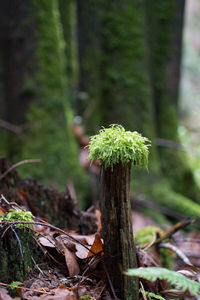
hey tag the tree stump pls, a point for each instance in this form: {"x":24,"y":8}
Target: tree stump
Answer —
{"x":17,"y":248}
{"x":118,"y":149}
{"x":117,"y":233}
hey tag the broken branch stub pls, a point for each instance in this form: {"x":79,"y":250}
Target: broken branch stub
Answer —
{"x":118,"y":149}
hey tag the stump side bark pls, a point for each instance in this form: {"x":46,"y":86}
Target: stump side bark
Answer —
{"x":15,"y":264}
{"x":117,"y":230}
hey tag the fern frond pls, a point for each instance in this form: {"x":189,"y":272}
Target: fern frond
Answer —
{"x":153,"y":273}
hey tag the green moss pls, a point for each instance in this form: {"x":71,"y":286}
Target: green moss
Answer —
{"x":162,"y":19}
{"x":16,"y":259}
{"x":178,"y":203}
{"x":68,"y":18}
{"x":114,"y":145}
{"x":49,"y":135}
{"x":19,"y":215}
{"x":146,"y":234}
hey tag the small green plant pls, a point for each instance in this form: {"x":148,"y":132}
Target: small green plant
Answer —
{"x":146,"y":234}
{"x":153,"y":273}
{"x":113,"y":145}
{"x":86,"y":296}
{"x":19,"y":215}
{"x":151,"y":295}
{"x":15,"y":284}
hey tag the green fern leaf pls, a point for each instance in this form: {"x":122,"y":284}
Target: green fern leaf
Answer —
{"x":153,"y":273}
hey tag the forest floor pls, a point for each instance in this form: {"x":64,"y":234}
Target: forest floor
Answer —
{"x":70,"y":264}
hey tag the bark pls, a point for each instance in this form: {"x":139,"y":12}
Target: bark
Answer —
{"x":17,"y":251}
{"x":67,"y":11}
{"x":120,"y":253}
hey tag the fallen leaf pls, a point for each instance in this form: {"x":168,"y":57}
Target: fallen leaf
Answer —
{"x":60,"y":293}
{"x":4,"y":294}
{"x":1,"y":212}
{"x":47,"y":242}
{"x":81,"y":252}
{"x":70,"y":257}
{"x":97,"y":245}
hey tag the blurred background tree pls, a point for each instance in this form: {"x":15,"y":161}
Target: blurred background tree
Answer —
{"x":107,"y":62}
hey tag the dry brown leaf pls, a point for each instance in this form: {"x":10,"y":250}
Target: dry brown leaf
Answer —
{"x":4,"y":294}
{"x":47,"y":242}
{"x":97,"y":245}
{"x":59,"y":293}
{"x":2,"y":213}
{"x":81,"y":252}
{"x":70,"y":257}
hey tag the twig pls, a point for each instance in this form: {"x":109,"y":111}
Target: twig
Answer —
{"x":169,"y":144}
{"x":50,"y":226}
{"x":36,"y":265}
{"x":151,"y":243}
{"x":7,"y":228}
{"x":90,"y":264}
{"x":26,"y":161}
{"x":20,"y":245}
{"x":109,"y":281}
{"x":143,"y":254}
{"x":27,"y":289}
{"x":143,"y":291}
{"x":4,"y":199}
{"x":14,"y":128}
{"x":168,"y":233}
{"x":177,"y":251}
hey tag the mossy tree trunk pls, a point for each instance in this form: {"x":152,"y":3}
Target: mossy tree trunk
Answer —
{"x":36,"y":91}
{"x":122,"y":83}
{"x":17,"y":251}
{"x":164,"y":25}
{"x":15,"y":52}
{"x":120,"y":253}
{"x":67,"y":11}
{"x":138,"y":68}
{"x":89,"y":54}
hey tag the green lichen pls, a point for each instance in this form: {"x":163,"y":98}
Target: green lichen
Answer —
{"x":114,"y":145}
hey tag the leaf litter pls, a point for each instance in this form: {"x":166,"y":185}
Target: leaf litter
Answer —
{"x":73,"y":268}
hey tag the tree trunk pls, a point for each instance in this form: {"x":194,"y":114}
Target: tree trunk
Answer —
{"x":164,"y":23}
{"x":124,"y":94}
{"x":67,"y":11}
{"x":35,"y":89}
{"x":120,"y":253}
{"x":89,"y":46}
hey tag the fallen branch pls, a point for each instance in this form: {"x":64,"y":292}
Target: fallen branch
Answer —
{"x":14,"y":128}
{"x":26,"y":161}
{"x":168,"y":233}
